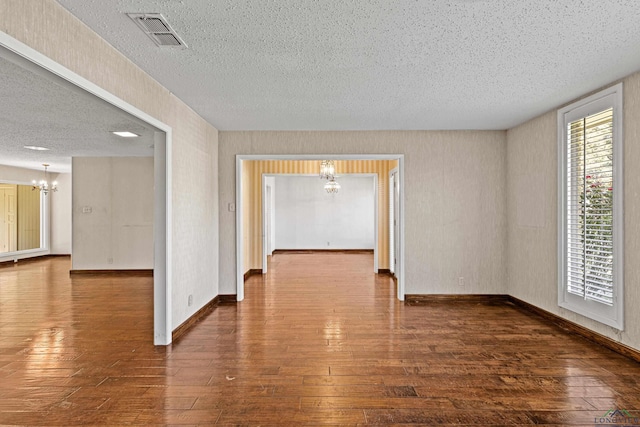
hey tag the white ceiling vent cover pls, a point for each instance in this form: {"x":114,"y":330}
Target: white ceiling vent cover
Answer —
{"x":158,"y":29}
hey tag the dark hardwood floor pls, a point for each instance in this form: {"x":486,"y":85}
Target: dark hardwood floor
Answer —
{"x":319,"y":340}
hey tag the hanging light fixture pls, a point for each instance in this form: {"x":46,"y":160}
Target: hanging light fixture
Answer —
{"x":332,"y":187}
{"x":327,"y":169}
{"x":43,"y":185}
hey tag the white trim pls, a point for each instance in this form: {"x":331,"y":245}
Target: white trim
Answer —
{"x":375,"y":218}
{"x":45,"y":221}
{"x":26,"y":254}
{"x":239,"y":226}
{"x":265,"y":248}
{"x":400,"y":255}
{"x":607,"y":98}
{"x":239,"y":233}
{"x":392,"y":266}
{"x":265,"y":264}
{"x":319,"y":156}
{"x":20,"y":52}
{"x":162,"y":272}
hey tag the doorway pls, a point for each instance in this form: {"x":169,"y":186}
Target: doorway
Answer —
{"x":30,"y":59}
{"x":243,"y":238}
{"x":303,"y":216}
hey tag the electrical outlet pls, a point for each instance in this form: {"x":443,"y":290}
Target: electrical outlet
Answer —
{"x":461,"y":282}
{"x":109,"y":260}
{"x":190,"y":300}
{"x":328,"y":244}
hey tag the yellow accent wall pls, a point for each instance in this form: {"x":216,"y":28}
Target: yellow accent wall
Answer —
{"x":252,"y":171}
{"x":28,"y":218}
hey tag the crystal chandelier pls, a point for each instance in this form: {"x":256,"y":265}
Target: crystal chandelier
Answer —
{"x":327,"y":169}
{"x":332,"y":186}
{"x":43,"y":185}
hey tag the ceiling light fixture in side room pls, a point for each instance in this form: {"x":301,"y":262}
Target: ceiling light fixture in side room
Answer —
{"x":125,"y":134}
{"x":43,"y":185}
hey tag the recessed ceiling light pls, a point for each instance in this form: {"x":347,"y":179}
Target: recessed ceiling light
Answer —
{"x":126,"y":134}
{"x":36,"y":148}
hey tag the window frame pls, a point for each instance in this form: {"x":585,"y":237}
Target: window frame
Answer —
{"x":609,"y":315}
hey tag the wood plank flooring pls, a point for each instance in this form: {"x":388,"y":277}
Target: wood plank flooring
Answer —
{"x":319,"y":340}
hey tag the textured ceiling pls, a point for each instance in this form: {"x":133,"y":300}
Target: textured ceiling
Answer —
{"x":407,"y":64}
{"x":38,"y":109}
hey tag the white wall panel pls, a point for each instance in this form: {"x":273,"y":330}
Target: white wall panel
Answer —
{"x":112,"y":213}
{"x":307,"y":217}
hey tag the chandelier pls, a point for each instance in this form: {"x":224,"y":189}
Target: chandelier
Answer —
{"x":43,"y":185}
{"x":332,"y":186}
{"x":327,"y":169}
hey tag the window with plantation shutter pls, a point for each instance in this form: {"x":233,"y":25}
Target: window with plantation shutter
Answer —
{"x":590,"y":189}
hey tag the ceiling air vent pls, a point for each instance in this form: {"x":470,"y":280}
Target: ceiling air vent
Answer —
{"x":158,"y":29}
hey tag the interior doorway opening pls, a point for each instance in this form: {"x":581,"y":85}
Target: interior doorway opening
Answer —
{"x":32,"y":60}
{"x":250,"y":204}
{"x":299,"y":214}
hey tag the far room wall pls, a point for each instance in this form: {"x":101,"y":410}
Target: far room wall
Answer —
{"x":307,"y":217}
{"x":112,"y":213}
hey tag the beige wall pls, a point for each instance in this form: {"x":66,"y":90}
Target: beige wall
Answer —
{"x":61,"y":216}
{"x":252,"y":199}
{"x":454,"y":200}
{"x":112,"y":213}
{"x":47,"y":27}
{"x":532,"y":216}
{"x":461,"y":186}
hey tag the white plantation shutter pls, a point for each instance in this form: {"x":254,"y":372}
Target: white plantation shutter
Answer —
{"x":590,"y":207}
{"x":590,"y":229}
